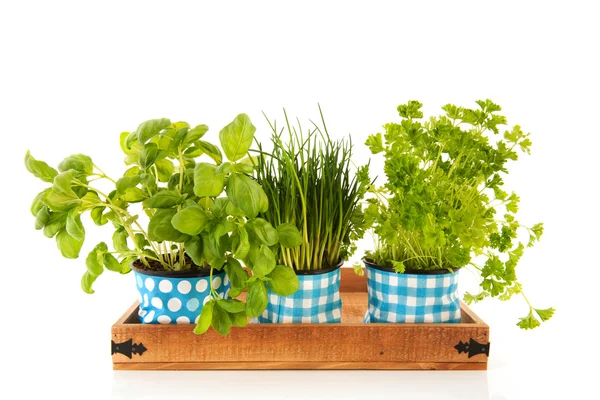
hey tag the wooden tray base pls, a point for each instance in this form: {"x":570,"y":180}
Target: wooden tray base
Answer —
{"x":348,"y":345}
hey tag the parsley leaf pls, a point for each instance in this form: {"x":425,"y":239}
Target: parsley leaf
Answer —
{"x":440,"y":207}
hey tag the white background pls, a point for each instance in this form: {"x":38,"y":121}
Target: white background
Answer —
{"x":76,"y":74}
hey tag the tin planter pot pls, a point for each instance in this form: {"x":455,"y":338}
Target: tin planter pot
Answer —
{"x":176,"y":297}
{"x":412,"y":297}
{"x":317,"y":301}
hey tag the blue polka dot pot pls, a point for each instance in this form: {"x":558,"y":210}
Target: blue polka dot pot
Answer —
{"x":176,"y":297}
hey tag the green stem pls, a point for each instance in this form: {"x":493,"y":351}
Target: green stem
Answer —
{"x":118,"y":211}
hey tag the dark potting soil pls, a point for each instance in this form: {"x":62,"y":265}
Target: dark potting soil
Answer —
{"x":155,"y":268}
{"x":371,"y":264}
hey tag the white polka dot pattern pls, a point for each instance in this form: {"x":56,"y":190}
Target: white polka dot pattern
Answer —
{"x":165,"y":286}
{"x":202,"y":286}
{"x":156,"y":303}
{"x":149,"y":283}
{"x":174,"y":304}
{"x":167,"y":300}
{"x":148,"y":318}
{"x":193,"y":304}
{"x":184,"y":287}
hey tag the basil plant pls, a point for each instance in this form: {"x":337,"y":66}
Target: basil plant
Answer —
{"x":201,"y":214}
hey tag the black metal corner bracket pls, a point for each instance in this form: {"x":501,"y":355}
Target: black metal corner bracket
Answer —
{"x":127,"y":348}
{"x":473,"y":348}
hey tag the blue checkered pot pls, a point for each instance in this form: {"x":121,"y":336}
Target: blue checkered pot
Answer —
{"x":411,"y":298}
{"x":317,"y":301}
{"x":176,"y":297}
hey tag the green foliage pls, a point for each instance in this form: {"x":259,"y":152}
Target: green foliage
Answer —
{"x":440,"y":206}
{"x":263,"y":231}
{"x":283,"y":281}
{"x":289,"y":236}
{"x":191,"y":220}
{"x":257,"y":299}
{"x":236,"y":138}
{"x":312,"y":186}
{"x":528,"y":322}
{"x":205,"y":319}
{"x":203,"y":210}
{"x":246,"y":194}
{"x":206,"y":181}
{"x":39,"y":168}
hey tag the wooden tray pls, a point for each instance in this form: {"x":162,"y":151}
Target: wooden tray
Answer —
{"x":348,"y":345}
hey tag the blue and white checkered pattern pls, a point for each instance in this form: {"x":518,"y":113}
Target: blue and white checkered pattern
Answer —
{"x":317,"y":301}
{"x":413,"y":298}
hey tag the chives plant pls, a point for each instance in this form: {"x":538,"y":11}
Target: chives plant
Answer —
{"x":311,"y":183}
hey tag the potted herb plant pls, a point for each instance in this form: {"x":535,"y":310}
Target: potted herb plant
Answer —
{"x":312,"y":186}
{"x":444,"y":208}
{"x":179,"y":256}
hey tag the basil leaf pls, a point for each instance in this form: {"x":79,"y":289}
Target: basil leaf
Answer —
{"x":74,"y":227}
{"x":242,"y":249}
{"x":193,"y":248}
{"x":220,"y":320}
{"x":247,"y":195}
{"x":263,"y":231}
{"x":263,"y":261}
{"x":140,"y":241}
{"x":39,"y":168}
{"x":120,"y":240}
{"x":60,"y":202}
{"x":42,"y":218}
{"x":236,"y":138}
{"x":98,"y":217}
{"x":206,"y":182}
{"x":232,"y":306}
{"x":127,"y":182}
{"x":211,"y":150}
{"x":242,"y":167}
{"x":55,"y":222}
{"x":213,"y":250}
{"x":191,"y":220}
{"x":38,"y":202}
{"x":237,"y":275}
{"x":134,"y":195}
{"x":224,"y":168}
{"x":289,"y":235}
{"x":165,"y":169}
{"x":160,"y":227}
{"x":148,"y":129}
{"x":111,"y":263}
{"x":193,"y":135}
{"x":94,"y":267}
{"x":239,"y":319}
{"x":68,"y":245}
{"x":148,"y":155}
{"x":78,"y":162}
{"x":283,"y":281}
{"x":205,"y":318}
{"x":256,"y":299}
{"x":164,"y":199}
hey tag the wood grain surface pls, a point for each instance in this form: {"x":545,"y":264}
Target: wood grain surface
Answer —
{"x":348,"y":345}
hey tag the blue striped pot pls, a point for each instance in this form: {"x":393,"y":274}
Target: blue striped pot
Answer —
{"x":176,"y":297}
{"x":411,"y":298}
{"x":317,"y":301}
